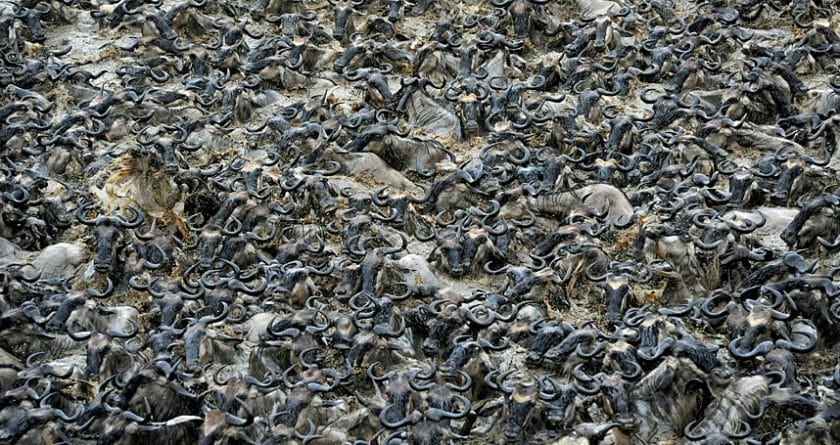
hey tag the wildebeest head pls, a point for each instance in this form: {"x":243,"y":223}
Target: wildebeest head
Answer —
{"x":107,"y":231}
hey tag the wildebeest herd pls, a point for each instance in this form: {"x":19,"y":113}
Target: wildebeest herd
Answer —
{"x":384,"y":222}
